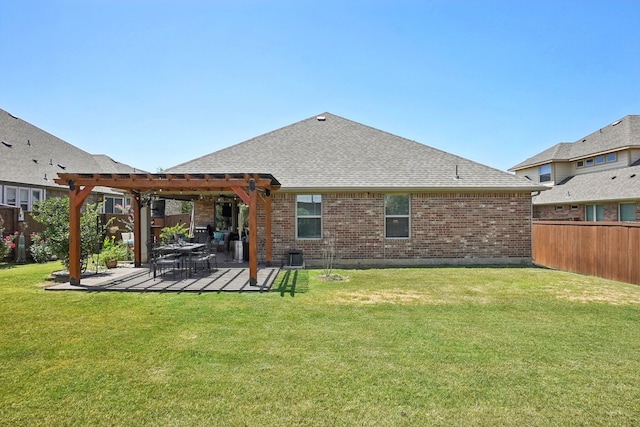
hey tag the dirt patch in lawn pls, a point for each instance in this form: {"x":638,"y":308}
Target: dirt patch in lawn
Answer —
{"x":397,"y":296}
{"x":606,"y":294}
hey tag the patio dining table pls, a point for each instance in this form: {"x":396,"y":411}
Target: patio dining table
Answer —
{"x":185,"y":250}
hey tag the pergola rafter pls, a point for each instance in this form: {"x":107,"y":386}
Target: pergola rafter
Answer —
{"x":252,"y":188}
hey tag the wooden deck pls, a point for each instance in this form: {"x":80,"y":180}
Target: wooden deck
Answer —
{"x":228,"y":277}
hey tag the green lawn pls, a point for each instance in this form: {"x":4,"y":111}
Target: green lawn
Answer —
{"x":436,"y":346}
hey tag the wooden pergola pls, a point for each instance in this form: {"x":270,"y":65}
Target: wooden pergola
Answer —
{"x":251,"y":188}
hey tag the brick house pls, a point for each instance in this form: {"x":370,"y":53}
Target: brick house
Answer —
{"x":31,"y":158}
{"x":378,"y":198}
{"x":596,"y":178}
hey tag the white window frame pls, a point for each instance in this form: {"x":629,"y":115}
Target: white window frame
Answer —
{"x":594,"y":213}
{"x":126,"y":201}
{"x":314,"y":197}
{"x":16,"y":191}
{"x":18,"y":202}
{"x":401,"y":216}
{"x":613,"y":159}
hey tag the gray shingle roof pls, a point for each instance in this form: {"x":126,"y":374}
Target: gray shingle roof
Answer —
{"x":28,"y":153}
{"x":623,"y":133}
{"x":610,"y":185}
{"x":336,"y":153}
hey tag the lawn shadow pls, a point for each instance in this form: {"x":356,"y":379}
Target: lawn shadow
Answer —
{"x":7,"y":265}
{"x":293,"y":282}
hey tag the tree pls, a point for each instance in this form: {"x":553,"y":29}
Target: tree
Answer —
{"x":54,"y":215}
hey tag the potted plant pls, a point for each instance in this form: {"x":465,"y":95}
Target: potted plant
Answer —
{"x":112,"y":252}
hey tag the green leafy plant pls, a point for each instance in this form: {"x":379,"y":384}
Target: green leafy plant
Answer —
{"x":112,"y":250}
{"x":6,"y":242}
{"x":54,"y":215}
{"x":168,"y":234}
{"x":40,"y":248}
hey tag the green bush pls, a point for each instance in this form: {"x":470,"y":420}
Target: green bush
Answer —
{"x":168,"y":234}
{"x":112,"y":250}
{"x":40,"y":249}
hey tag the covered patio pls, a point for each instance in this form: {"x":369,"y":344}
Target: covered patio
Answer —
{"x":252,"y":188}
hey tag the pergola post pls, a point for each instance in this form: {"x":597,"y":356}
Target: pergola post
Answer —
{"x":137,"y":229}
{"x":76,"y":199}
{"x":253,"y":233}
{"x":266,"y":203}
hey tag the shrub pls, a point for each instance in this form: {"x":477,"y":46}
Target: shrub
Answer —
{"x":112,"y":250}
{"x":54,"y":214}
{"x":40,"y":248}
{"x":6,"y":242}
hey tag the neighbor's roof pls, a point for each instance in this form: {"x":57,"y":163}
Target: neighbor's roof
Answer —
{"x":29,"y":154}
{"x":331,"y":152}
{"x":621,"y":134}
{"x":610,"y":185}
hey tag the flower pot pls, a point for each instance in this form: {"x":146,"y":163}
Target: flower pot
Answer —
{"x":112,"y":263}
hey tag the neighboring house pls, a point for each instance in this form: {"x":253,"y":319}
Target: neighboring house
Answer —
{"x":596,"y":178}
{"x":31,"y":158}
{"x":375,"y":198}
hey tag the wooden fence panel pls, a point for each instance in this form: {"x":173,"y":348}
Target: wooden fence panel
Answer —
{"x":605,"y":249}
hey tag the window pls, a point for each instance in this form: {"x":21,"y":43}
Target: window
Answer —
{"x":574,"y":207}
{"x":580,"y":163}
{"x":589,"y":162}
{"x":612,"y":157}
{"x":116,"y":205}
{"x":396,"y":216}
{"x":22,"y":197}
{"x":559,"y":208}
{"x":36,"y":196}
{"x":599,"y":160}
{"x":627,"y":211}
{"x":11,"y":196}
{"x":309,"y":216}
{"x":594,"y":212}
{"x":545,"y":173}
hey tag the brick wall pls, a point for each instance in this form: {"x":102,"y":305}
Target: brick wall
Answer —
{"x":443,"y":227}
{"x":553,"y":213}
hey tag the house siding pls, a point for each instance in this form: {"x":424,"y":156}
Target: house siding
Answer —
{"x":445,"y":227}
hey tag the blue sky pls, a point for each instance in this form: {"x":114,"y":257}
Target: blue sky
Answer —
{"x":154,"y":83}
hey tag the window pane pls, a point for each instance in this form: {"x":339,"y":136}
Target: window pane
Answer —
{"x":309,"y":228}
{"x":599,"y":213}
{"x":24,"y":199}
{"x":545,"y":173}
{"x":108,"y":205}
{"x":612,"y":157}
{"x":397,"y":227}
{"x":628,"y":212}
{"x":35,"y":196}
{"x":589,"y":212}
{"x":309,"y":205}
{"x":396,"y":204}
{"x":11,"y":196}
{"x":600,"y":159}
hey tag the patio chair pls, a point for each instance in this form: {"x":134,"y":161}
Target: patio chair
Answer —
{"x":203,"y":258}
{"x":159,"y":263}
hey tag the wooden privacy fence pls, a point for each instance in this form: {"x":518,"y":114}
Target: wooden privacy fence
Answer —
{"x":610,"y":250}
